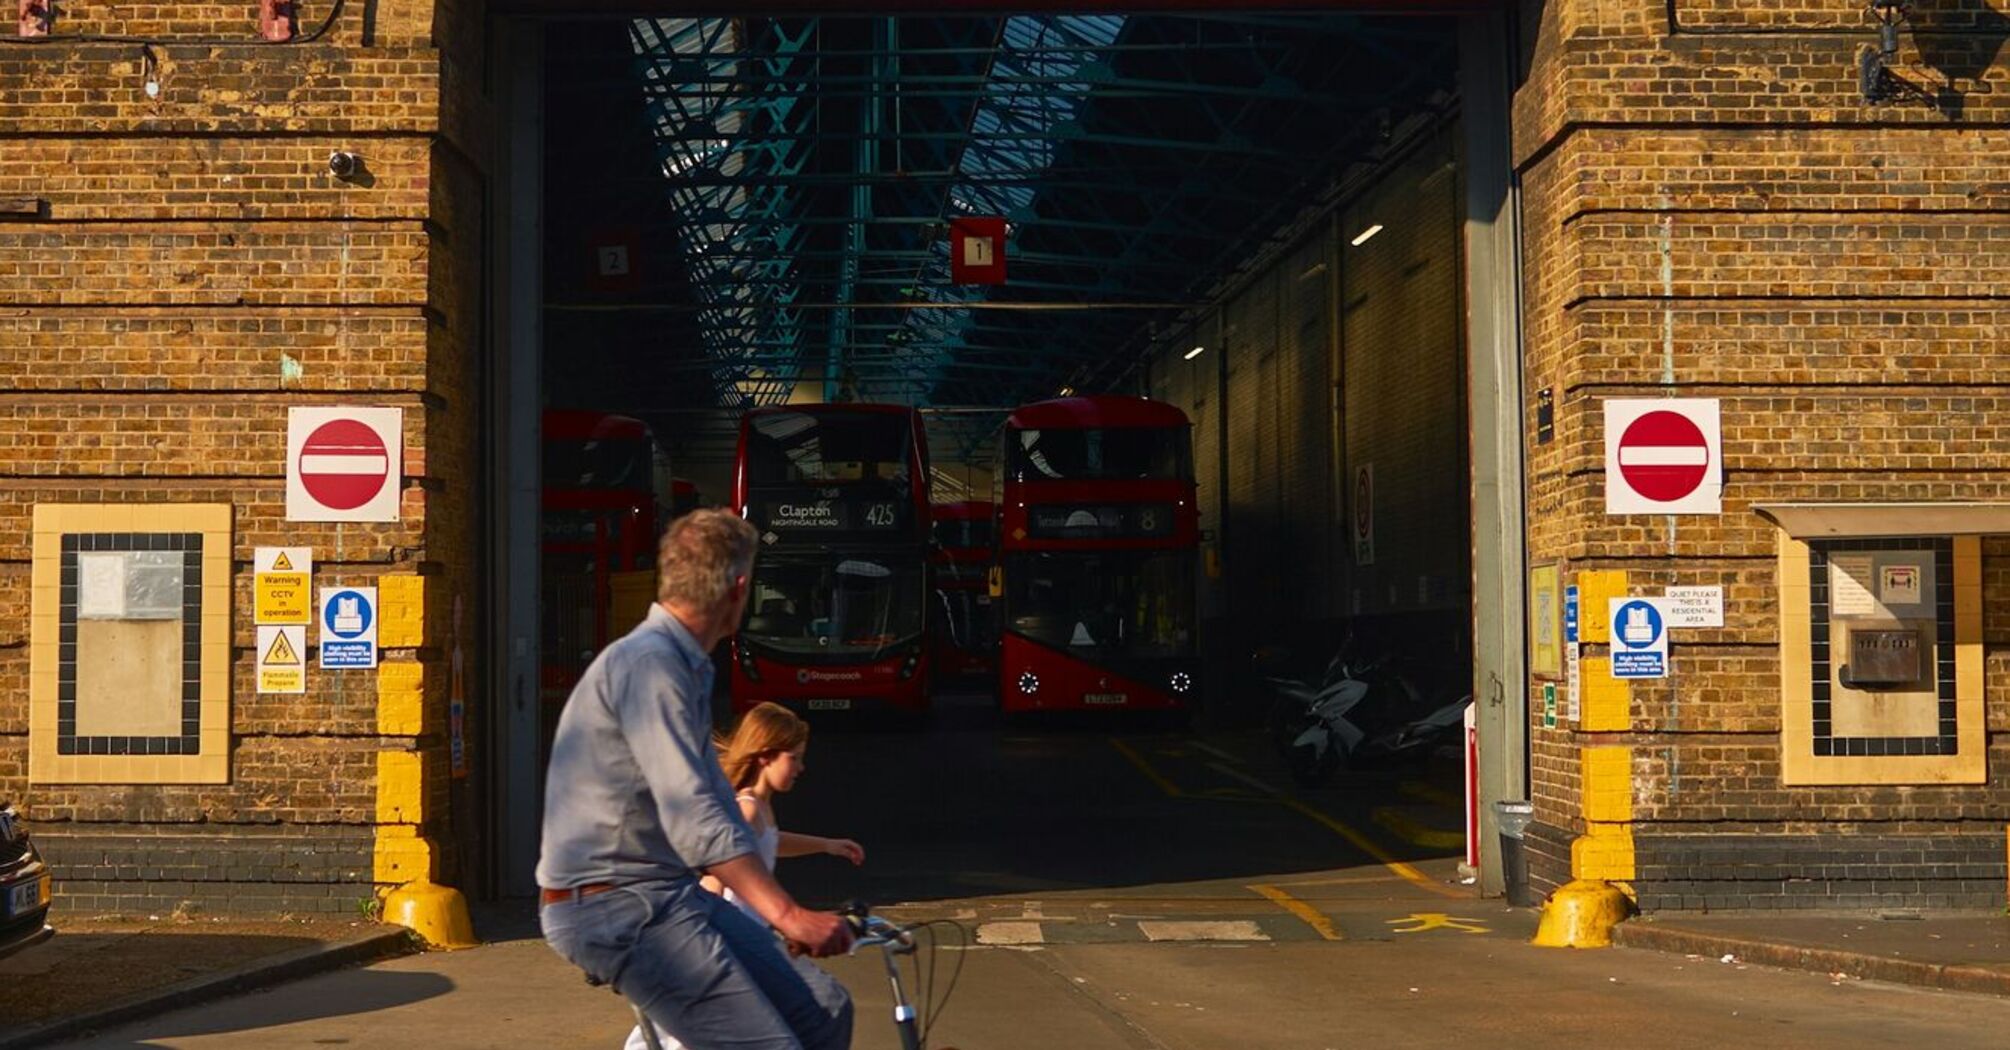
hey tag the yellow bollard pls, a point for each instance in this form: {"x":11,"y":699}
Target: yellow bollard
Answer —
{"x":438,"y":914}
{"x":1581,"y":914}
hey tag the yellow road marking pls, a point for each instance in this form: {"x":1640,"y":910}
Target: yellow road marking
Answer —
{"x":1343,"y":880}
{"x":1435,"y":920}
{"x":1430,"y":793}
{"x":1360,"y":841}
{"x":1368,"y":846}
{"x":1172,"y":790}
{"x":1306,"y":913}
{"x":1403,"y":826}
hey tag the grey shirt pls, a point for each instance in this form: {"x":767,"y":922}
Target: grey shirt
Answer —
{"x":635,"y":791}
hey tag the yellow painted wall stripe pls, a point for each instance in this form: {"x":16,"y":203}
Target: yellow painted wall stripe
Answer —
{"x":1608,"y":701}
{"x":1606,"y":779}
{"x":401,"y":611}
{"x":1604,"y":853}
{"x":401,"y":698}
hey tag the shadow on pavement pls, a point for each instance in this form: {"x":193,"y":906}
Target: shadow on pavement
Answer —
{"x":81,"y":970}
{"x":363,"y":992}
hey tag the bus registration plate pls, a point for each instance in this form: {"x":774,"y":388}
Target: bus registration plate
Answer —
{"x":1105,"y":698}
{"x":840,"y":704}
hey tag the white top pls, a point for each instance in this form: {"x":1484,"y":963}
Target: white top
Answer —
{"x":767,"y":843}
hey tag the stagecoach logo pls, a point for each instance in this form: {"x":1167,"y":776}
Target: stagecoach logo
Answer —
{"x":806,"y":676}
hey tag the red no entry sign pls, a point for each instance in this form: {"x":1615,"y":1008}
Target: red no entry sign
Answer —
{"x":1661,"y":457}
{"x":343,"y":464}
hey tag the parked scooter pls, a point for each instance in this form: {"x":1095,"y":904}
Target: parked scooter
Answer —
{"x":1355,"y":715}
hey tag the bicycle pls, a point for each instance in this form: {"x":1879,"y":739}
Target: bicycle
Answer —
{"x":892,"y":940}
{"x":874,"y":931}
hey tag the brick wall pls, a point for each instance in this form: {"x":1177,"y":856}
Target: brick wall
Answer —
{"x":195,"y":271}
{"x":1711,"y":210}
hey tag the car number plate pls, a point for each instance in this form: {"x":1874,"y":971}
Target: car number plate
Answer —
{"x":1105,"y":698}
{"x":830,"y":705}
{"x":25,"y":897}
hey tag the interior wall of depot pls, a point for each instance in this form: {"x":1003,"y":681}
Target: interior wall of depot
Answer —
{"x":1329,"y":358}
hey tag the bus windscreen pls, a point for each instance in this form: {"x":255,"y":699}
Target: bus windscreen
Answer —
{"x":796,"y":448}
{"x":1116,"y":454}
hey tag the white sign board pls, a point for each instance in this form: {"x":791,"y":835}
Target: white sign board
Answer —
{"x":1663,"y":456}
{"x":1694,"y":606}
{"x":348,"y":627}
{"x":344,"y":464}
{"x":1573,"y":682}
{"x":1639,"y":638}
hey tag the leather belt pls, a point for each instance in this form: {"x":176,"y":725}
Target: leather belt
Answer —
{"x":575,"y":893}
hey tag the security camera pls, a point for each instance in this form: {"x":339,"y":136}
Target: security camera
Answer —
{"x":342,"y":165}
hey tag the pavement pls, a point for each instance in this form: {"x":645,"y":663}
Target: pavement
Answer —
{"x":1141,"y":890}
{"x":1952,"y":952}
{"x":106,"y":970}
{"x":1214,"y":930}
{"x":1404,"y":970}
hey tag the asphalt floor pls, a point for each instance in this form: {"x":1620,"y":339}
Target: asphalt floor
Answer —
{"x":1123,"y":886}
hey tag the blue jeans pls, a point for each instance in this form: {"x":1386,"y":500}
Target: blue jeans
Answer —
{"x":700,"y":968}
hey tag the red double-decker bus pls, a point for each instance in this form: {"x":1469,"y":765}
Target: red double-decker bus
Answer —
{"x":962,"y":625}
{"x":839,"y":494}
{"x":1098,"y":536}
{"x":603,"y":502}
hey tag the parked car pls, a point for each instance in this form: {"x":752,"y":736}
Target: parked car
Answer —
{"x":24,"y":887}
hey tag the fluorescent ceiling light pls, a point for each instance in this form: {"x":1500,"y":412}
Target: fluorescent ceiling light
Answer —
{"x":1362,"y":237}
{"x":1195,"y":352}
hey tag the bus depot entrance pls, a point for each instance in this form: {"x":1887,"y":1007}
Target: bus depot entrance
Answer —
{"x":1203,"y":325}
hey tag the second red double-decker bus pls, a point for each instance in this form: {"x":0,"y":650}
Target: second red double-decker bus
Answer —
{"x":961,"y":622}
{"x":1098,"y":536}
{"x":839,"y":495}
{"x":602,"y":502}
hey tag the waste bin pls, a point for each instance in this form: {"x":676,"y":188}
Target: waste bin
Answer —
{"x":1513,"y":818}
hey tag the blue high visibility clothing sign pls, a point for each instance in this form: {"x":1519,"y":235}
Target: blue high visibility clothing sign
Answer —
{"x":1639,"y":639}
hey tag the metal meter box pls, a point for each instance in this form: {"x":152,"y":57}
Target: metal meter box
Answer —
{"x":1883,"y":657}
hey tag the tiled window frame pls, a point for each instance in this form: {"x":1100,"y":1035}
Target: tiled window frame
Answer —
{"x":200,"y":753}
{"x":1958,"y":753}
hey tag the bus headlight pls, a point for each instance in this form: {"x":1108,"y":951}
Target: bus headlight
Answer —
{"x":908,"y":666}
{"x":747,"y":666}
{"x":1029,"y":683}
{"x":1182,"y":682}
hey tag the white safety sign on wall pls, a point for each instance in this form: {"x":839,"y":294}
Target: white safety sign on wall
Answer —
{"x":1663,"y":456}
{"x":1694,"y":606}
{"x":344,"y":464}
{"x":348,"y":628}
{"x":1639,"y":638}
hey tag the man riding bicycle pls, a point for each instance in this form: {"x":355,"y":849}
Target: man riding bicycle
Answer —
{"x":636,"y":809}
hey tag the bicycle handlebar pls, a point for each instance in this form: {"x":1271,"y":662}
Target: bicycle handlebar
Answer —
{"x":873,"y":931}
